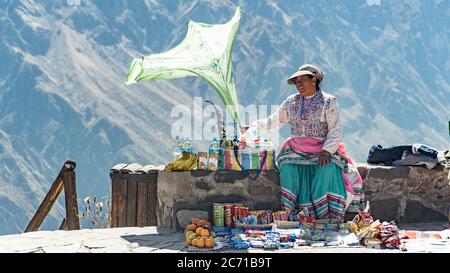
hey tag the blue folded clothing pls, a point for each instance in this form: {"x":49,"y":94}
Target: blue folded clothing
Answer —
{"x":287,"y":245}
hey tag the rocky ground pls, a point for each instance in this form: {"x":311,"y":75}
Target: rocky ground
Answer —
{"x":154,"y":240}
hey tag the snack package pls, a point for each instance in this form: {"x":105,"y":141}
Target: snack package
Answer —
{"x":228,"y":215}
{"x":202,"y":160}
{"x":213,"y":161}
{"x":218,"y":215}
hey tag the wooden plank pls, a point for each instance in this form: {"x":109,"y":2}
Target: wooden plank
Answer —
{"x":50,"y":198}
{"x":142,"y":204}
{"x":132,"y":177}
{"x":131,"y":203}
{"x":70,"y":192}
{"x":152,"y":204}
{"x":63,"y":225}
{"x":115,"y":193}
{"x":46,"y":205}
{"x":122,"y":203}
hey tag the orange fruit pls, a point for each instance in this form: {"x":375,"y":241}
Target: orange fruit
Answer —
{"x":188,"y":241}
{"x":200,"y":242}
{"x":209,"y":242}
{"x":202,"y":223}
{"x":204,"y":233}
{"x":195,"y":221}
{"x":198,"y":231}
{"x":191,"y":227}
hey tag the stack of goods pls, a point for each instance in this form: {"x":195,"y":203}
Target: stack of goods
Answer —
{"x":198,"y":234}
{"x":272,"y":240}
{"x":240,"y":212}
{"x":255,"y":238}
{"x":263,"y":217}
{"x":373,"y":233}
{"x":263,"y":239}
{"x":282,"y":215}
{"x":287,"y":240}
{"x":286,"y":219}
{"x":259,"y":219}
{"x":223,"y":214}
{"x":237,"y":239}
{"x":223,"y":235}
{"x":389,"y":235}
{"x":328,"y":224}
{"x":239,"y":228}
{"x":323,"y":232}
{"x":305,"y":218}
{"x":237,"y":215}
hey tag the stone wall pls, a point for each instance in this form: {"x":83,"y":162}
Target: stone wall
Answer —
{"x":406,"y":194}
{"x":403,"y":194}
{"x":180,"y":192}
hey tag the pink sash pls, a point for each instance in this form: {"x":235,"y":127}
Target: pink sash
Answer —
{"x":312,"y":145}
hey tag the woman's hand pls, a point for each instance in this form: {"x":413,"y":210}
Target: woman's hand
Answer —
{"x":244,"y":129}
{"x":324,"y":158}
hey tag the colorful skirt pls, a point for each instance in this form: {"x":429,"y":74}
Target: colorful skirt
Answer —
{"x":328,"y":191}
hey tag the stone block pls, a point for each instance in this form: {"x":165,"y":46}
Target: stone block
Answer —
{"x":389,"y":173}
{"x":198,"y":190}
{"x":385,"y":209}
{"x":416,"y":212}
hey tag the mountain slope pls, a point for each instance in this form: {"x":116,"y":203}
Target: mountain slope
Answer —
{"x":63,"y":65}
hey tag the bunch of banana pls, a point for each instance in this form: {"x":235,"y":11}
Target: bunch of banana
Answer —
{"x":188,"y":161}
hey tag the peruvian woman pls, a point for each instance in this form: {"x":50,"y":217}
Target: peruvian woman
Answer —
{"x":312,"y":161}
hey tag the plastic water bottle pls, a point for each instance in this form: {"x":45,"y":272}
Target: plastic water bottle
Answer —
{"x":214,"y":146}
{"x":187,"y":146}
{"x":177,"y":149}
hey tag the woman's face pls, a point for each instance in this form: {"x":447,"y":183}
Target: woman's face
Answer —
{"x":305,"y":85}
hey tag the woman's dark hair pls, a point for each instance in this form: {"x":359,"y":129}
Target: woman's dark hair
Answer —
{"x":317,"y":82}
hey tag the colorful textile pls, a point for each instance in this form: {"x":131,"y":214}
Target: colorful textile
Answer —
{"x":315,"y":126}
{"x":249,"y":160}
{"x":416,"y":234}
{"x":305,"y":151}
{"x":315,"y":117}
{"x":321,"y":190}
